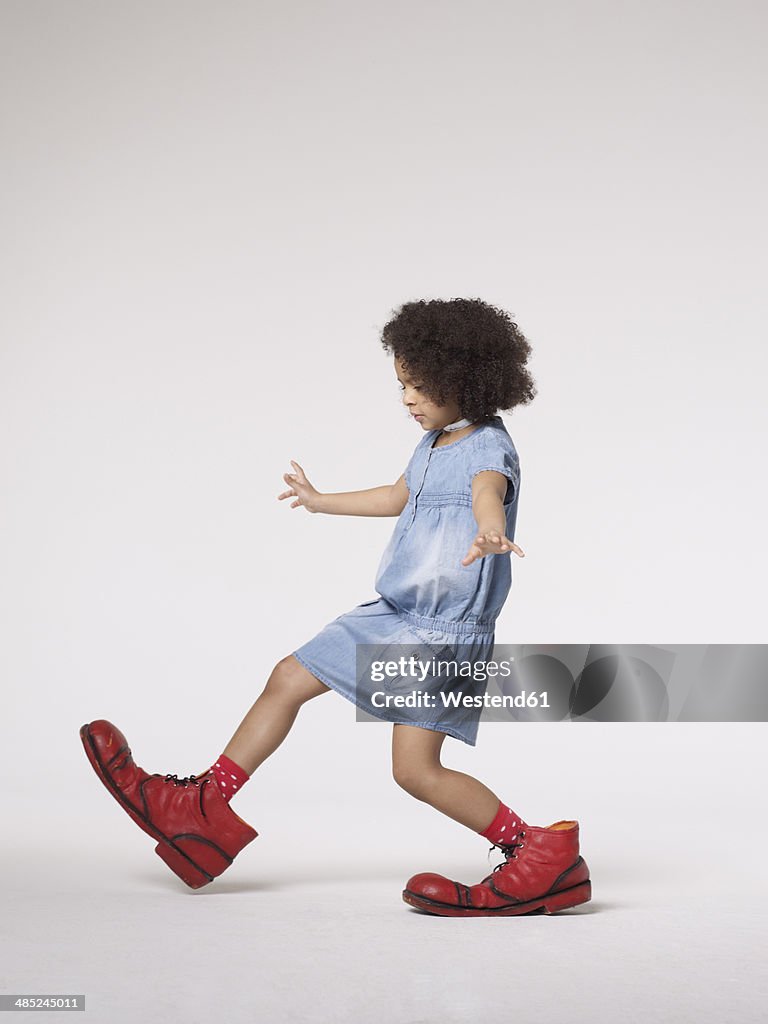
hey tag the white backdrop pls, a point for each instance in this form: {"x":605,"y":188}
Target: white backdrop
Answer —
{"x":210,"y":211}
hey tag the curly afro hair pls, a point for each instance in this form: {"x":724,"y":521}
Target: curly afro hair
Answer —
{"x":463,"y":350}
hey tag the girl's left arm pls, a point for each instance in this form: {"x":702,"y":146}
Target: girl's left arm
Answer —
{"x":488,"y":491}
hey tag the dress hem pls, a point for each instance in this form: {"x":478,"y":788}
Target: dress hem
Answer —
{"x":434,"y":727}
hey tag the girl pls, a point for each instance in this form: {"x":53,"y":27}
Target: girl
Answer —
{"x":442,"y":582}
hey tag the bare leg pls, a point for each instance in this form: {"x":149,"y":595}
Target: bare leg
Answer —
{"x":270,"y":719}
{"x":416,"y":767}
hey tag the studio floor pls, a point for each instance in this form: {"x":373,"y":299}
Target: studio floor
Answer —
{"x":675,"y":932}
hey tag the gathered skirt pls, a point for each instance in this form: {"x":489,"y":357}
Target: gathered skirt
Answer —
{"x":349,"y":655}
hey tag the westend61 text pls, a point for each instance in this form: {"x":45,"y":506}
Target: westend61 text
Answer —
{"x":418,"y":699}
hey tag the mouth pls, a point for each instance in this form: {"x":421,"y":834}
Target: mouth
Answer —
{"x":417,"y":415}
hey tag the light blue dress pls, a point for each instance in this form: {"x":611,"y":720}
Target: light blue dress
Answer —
{"x":428,"y":600}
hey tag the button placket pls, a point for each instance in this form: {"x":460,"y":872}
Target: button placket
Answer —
{"x":425,"y":466}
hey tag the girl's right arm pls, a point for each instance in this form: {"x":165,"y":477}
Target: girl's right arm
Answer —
{"x":388,"y":500}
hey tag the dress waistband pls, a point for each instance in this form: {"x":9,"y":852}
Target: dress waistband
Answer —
{"x":467,"y":627}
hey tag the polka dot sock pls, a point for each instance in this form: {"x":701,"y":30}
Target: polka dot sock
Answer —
{"x":504,"y":826}
{"x":230,"y":777}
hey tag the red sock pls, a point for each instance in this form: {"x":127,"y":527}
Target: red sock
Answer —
{"x":504,"y":827}
{"x":230,"y":777}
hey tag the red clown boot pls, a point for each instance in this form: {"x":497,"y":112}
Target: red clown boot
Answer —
{"x":543,"y":871}
{"x":198,"y":833}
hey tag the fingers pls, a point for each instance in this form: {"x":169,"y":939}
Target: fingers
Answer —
{"x":294,"y":481}
{"x":297,"y":480}
{"x":290,"y":494}
{"x":496,"y":540}
{"x":489,"y":539}
{"x":472,"y":555}
{"x":493,"y":542}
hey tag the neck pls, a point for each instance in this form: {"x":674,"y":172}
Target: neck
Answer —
{"x":458,"y":424}
{"x":449,"y":436}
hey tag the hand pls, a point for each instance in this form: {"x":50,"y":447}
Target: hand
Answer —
{"x":301,"y":489}
{"x":490,"y":543}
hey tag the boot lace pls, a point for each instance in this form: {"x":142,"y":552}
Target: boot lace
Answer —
{"x":186,"y":781}
{"x":199,"y":781}
{"x":508,"y":850}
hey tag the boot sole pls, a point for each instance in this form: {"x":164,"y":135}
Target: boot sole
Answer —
{"x":176,"y":859}
{"x":551,"y":904}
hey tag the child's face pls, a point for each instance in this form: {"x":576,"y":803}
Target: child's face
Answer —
{"x":428,"y":414}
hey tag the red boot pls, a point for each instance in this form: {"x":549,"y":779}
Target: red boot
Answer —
{"x":547,"y":873}
{"x":198,"y":833}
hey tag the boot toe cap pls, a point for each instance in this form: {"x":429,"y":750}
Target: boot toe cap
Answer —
{"x":432,"y":887}
{"x":105,"y":738}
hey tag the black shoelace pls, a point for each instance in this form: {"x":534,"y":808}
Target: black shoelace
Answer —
{"x":508,"y":850}
{"x":191,"y":780}
{"x":186,"y":781}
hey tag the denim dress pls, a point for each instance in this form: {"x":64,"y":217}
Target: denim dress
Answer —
{"x":429,"y":604}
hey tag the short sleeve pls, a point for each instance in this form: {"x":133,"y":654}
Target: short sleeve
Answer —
{"x":408,"y":472}
{"x":500,"y":458}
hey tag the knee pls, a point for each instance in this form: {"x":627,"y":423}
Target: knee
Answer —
{"x":288,"y":681}
{"x":417,"y":779}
